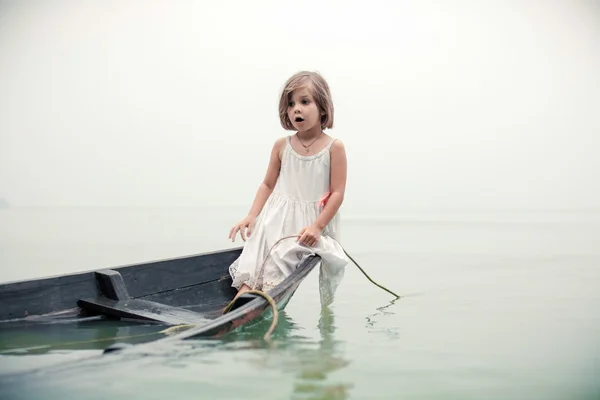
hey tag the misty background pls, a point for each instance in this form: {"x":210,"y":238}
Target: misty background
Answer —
{"x":133,"y":131}
{"x":441,"y":105}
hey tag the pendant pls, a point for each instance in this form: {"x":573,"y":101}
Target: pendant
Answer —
{"x":306,"y":151}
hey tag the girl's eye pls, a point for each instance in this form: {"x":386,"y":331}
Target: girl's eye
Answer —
{"x":291,"y":104}
{"x":305,"y":102}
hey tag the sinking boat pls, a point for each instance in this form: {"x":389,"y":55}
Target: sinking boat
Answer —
{"x":192,"y":291}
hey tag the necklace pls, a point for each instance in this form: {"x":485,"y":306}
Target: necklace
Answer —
{"x":307,"y":147}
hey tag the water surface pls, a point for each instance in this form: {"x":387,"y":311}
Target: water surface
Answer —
{"x":496,"y":305}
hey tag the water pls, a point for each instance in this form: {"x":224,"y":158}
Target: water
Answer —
{"x":497,"y":305}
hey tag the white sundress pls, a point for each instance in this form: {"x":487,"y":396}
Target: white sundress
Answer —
{"x":293,"y":205}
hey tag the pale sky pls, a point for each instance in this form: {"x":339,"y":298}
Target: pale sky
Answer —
{"x":465,"y":104}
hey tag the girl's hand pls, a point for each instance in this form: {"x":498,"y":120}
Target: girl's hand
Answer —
{"x":245,"y":224}
{"x":309,"y":235}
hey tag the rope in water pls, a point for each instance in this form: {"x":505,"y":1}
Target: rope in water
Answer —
{"x":269,"y":299}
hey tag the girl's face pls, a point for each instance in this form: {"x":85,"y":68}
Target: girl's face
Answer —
{"x":303,"y":111}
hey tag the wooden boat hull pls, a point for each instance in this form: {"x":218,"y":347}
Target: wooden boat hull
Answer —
{"x":190,"y":290}
{"x":181,"y":282}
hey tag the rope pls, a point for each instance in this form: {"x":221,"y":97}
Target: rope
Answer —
{"x":273,"y":305}
{"x":175,"y":329}
{"x":368,"y":277}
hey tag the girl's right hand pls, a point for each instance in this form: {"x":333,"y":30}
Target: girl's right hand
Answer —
{"x":245,"y":227}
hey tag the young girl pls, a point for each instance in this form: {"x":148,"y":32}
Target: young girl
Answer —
{"x":300,"y":195}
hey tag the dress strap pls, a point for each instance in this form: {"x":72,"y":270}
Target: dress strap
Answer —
{"x":330,"y":143}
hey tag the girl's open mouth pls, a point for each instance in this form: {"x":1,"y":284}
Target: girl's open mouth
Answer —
{"x":299,"y":119}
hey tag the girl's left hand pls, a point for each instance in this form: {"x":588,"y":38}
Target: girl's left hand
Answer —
{"x":309,"y":235}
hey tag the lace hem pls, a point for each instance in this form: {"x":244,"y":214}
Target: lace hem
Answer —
{"x":247,"y":278}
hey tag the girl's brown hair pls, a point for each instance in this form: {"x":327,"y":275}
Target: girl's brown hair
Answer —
{"x":320,"y":92}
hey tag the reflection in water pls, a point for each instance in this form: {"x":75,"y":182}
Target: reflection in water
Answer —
{"x":310,"y":361}
{"x":27,"y":338}
{"x":382,"y":311}
{"x":316,"y":365}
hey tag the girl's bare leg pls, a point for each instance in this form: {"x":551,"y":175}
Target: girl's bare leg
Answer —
{"x":243,"y":289}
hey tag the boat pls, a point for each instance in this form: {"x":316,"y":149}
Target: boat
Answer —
{"x":193,"y":292}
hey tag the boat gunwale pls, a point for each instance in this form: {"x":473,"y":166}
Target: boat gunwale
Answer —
{"x":119,"y":267}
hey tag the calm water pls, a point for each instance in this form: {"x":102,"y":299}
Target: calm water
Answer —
{"x":497,"y":305}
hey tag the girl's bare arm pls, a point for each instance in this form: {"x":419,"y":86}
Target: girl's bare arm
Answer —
{"x":268,"y":184}
{"x":337,"y":185}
